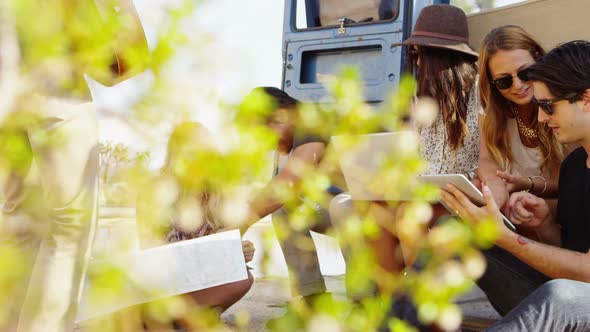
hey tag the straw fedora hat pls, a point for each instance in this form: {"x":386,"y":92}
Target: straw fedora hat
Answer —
{"x":441,"y":26}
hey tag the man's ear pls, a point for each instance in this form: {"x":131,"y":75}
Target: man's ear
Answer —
{"x":586,"y":100}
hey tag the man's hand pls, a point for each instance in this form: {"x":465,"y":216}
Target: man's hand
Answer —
{"x":248,"y":250}
{"x":527,"y":210}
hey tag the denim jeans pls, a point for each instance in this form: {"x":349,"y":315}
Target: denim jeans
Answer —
{"x":507,"y":280}
{"x":558,"y":305}
{"x":300,"y":253}
{"x":527,"y":299}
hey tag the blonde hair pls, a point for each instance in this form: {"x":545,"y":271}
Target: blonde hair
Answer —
{"x":495,"y":124}
{"x":184,"y":139}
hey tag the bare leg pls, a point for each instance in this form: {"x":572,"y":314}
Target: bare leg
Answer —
{"x":223,"y":296}
{"x":137,"y":318}
{"x":300,"y":254}
{"x":343,"y":209}
{"x":411,"y":245}
{"x":393,"y":251}
{"x":386,"y":246}
{"x":219,"y":297}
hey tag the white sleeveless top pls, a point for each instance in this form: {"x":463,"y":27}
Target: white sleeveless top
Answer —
{"x":527,"y":161}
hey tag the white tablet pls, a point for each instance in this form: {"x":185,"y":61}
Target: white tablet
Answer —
{"x":363,"y":163}
{"x":463,"y":184}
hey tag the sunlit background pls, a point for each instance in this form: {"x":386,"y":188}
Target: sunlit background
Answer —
{"x":242,"y":50}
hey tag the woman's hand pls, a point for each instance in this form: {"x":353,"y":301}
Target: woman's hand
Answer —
{"x":248,"y":250}
{"x":464,"y":208}
{"x":514,"y":183}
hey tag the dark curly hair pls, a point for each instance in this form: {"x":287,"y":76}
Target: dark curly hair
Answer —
{"x":282,"y":99}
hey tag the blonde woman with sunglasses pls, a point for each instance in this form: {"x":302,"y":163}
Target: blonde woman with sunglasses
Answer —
{"x":517,"y":153}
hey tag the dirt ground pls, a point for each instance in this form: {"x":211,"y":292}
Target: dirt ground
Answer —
{"x":269,"y":295}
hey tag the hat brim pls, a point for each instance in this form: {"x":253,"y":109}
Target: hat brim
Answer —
{"x":439,"y":43}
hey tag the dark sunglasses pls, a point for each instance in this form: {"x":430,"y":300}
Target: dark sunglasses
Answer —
{"x":545,"y":105}
{"x":505,"y":82}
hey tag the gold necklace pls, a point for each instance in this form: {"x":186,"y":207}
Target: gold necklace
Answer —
{"x":528,"y":132}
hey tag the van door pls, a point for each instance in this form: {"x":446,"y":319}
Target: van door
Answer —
{"x":320,"y":37}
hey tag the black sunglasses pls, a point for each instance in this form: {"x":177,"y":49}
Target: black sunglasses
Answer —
{"x":545,"y":105}
{"x":505,"y":82}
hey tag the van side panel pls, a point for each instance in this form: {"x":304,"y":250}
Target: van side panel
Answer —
{"x":551,"y":22}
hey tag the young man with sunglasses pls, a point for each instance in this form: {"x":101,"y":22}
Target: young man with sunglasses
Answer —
{"x":561,"y":82}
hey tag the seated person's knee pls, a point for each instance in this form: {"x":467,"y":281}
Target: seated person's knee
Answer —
{"x":243,"y":286}
{"x":559,"y":291}
{"x":340,"y":208}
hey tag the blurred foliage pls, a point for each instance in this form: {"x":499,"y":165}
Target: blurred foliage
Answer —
{"x":448,"y":252}
{"x":69,"y":38}
{"x":116,"y":165}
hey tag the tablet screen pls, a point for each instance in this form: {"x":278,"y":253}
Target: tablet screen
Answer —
{"x":459,"y":181}
{"x":463,"y":184}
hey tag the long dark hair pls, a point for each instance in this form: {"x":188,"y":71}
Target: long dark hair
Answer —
{"x":448,"y":77}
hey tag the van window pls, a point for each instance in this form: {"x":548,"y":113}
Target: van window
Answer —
{"x":327,"y":13}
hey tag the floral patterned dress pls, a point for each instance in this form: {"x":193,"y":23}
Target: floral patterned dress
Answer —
{"x":434,"y":148}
